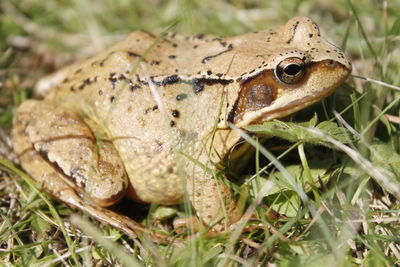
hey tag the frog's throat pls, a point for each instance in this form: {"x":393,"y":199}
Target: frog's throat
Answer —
{"x":321,"y":80}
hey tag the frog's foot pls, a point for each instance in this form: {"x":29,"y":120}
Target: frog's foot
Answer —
{"x":245,"y":224}
{"x":53,"y":146}
{"x":214,"y":203}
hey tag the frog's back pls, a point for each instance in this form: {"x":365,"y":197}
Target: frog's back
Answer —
{"x":128,"y":95}
{"x":171,"y":58}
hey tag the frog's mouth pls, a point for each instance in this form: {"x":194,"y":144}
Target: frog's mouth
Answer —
{"x":321,"y":80}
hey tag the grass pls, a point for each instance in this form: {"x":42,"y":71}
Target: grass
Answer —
{"x":327,"y":200}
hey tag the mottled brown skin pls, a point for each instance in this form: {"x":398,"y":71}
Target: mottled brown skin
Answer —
{"x":150,"y":115}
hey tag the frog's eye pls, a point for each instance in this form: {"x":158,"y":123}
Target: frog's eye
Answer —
{"x":290,"y":70}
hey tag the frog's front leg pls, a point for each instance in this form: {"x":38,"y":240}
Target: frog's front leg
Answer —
{"x":213,"y":202}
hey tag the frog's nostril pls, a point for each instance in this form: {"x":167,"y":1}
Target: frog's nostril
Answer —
{"x":330,"y":63}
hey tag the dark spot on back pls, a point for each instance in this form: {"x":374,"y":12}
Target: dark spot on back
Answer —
{"x":113,"y":79}
{"x":87,"y":81}
{"x":175,"y":113}
{"x":198,"y":87}
{"x":134,"y":87}
{"x":122,"y":77}
{"x":147,"y":110}
{"x":133,"y":54}
{"x":181,"y":97}
{"x":171,"y":79}
{"x":200,"y":36}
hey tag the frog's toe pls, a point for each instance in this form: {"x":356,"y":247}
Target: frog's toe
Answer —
{"x":180,"y":224}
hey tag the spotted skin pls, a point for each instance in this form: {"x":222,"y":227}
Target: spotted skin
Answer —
{"x":149,"y":117}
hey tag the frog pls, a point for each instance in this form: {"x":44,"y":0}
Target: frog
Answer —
{"x":151,"y":118}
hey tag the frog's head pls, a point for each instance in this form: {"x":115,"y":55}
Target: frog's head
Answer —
{"x":304,"y":69}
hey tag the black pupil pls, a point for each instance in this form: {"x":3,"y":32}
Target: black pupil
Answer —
{"x":292,"y":69}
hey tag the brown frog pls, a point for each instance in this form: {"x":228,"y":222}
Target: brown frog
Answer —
{"x":149,"y":118}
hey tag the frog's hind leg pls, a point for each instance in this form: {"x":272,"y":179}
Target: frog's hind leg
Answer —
{"x":55,"y":183}
{"x":37,"y":131}
{"x":67,"y":143}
